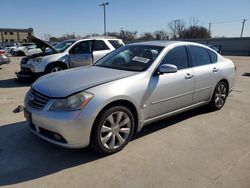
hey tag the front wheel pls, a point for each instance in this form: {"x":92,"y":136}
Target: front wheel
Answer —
{"x":219,"y":96}
{"x":112,"y":130}
{"x":54,"y":68}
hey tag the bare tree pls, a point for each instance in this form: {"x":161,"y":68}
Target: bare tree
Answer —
{"x":114,"y":34}
{"x":176,"y":28}
{"x":160,"y":35}
{"x":193,"y":21}
{"x":128,"y":35}
{"x":147,"y":36}
{"x":196,"y":32}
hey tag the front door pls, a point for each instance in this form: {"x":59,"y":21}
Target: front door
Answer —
{"x":80,"y":54}
{"x":172,"y":91}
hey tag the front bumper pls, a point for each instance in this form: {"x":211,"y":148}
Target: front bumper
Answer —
{"x":70,"y":129}
{"x":26,"y":73}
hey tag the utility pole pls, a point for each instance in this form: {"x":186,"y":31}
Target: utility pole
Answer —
{"x":178,"y":29}
{"x":242,"y":29}
{"x":209,"y":28}
{"x":104,"y":15}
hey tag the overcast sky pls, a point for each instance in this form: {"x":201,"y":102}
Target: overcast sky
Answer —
{"x":57,"y":17}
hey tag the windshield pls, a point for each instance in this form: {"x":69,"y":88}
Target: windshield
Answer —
{"x":131,"y":58}
{"x":61,"y":47}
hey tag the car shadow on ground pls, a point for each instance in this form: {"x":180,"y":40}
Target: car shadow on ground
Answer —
{"x":246,"y":74}
{"x":14,"y":82}
{"x":24,"y":156}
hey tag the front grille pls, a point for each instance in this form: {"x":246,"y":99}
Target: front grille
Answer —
{"x":36,"y":99}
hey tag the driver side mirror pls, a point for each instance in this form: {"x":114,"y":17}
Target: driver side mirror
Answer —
{"x":167,"y":68}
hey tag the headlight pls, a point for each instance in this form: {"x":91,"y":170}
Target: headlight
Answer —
{"x":74,"y":102}
{"x":38,"y":59}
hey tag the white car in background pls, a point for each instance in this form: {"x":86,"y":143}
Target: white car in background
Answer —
{"x":9,"y":48}
{"x":65,"y":55}
{"x":20,"y":49}
{"x":31,"y":50}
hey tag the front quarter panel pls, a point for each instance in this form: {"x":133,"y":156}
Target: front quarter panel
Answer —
{"x":40,"y":67}
{"x":134,"y":89}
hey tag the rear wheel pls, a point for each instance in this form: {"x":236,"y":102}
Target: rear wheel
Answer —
{"x":112,"y":130}
{"x":219,"y":97}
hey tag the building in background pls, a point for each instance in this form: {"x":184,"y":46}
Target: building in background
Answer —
{"x":9,"y":35}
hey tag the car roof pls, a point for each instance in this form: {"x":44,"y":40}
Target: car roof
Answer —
{"x":101,"y":37}
{"x":165,"y":43}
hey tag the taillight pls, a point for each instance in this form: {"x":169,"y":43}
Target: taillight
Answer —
{"x":2,"y":52}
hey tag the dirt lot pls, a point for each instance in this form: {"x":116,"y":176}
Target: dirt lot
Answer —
{"x":194,"y":149}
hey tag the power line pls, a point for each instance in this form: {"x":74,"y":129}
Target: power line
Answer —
{"x":231,"y":21}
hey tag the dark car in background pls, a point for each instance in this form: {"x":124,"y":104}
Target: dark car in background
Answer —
{"x":216,"y":48}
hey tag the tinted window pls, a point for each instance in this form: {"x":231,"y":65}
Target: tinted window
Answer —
{"x":27,"y":44}
{"x":213,"y":56}
{"x":80,"y":48}
{"x":178,"y":57}
{"x":100,"y":45}
{"x":116,"y":43}
{"x":199,"y":56}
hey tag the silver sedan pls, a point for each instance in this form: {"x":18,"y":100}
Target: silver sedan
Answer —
{"x":103,"y":105}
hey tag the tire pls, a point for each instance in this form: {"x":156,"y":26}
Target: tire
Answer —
{"x":219,"y":96}
{"x":20,"y":53}
{"x":112,"y":130}
{"x":54,"y":68}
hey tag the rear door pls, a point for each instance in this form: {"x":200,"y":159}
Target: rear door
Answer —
{"x":80,"y":54}
{"x":206,"y":73}
{"x":100,"y":49}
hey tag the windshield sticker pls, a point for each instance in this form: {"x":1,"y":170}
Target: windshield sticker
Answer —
{"x":141,"y":59}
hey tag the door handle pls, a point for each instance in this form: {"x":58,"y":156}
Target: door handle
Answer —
{"x":215,"y":69}
{"x":189,"y":76}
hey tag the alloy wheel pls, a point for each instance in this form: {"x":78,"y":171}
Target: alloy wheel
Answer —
{"x":56,"y":69}
{"x":115,"y":130}
{"x":220,"y":95}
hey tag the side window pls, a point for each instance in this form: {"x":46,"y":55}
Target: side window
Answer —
{"x":178,"y":57}
{"x":116,"y":43}
{"x":100,"y":45}
{"x":199,"y":56}
{"x":81,"y":48}
{"x":213,"y":56}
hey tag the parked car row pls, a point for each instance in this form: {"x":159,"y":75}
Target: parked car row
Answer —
{"x":119,"y":89}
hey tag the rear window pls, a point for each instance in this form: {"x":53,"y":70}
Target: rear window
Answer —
{"x":116,"y":43}
{"x":100,"y":45}
{"x":213,"y":56}
{"x":200,"y":56}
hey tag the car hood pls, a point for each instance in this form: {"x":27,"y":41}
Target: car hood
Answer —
{"x":41,"y":44}
{"x":65,"y":83}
